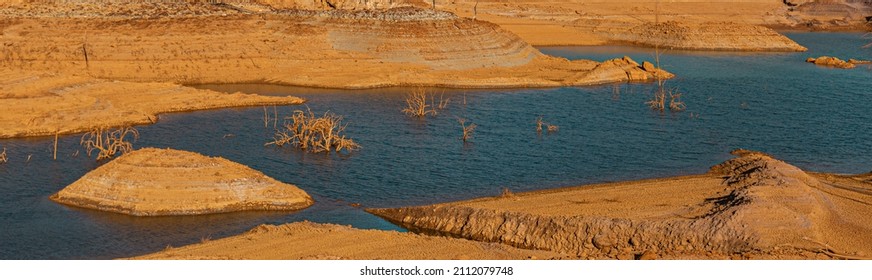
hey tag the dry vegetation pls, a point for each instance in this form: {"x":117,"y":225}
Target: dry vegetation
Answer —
{"x":550,"y":128}
{"x":267,"y":118}
{"x":314,"y":134}
{"x":108,"y":142}
{"x":468,"y":130}
{"x":421,"y":103}
{"x":658,"y":101}
{"x":3,"y":158}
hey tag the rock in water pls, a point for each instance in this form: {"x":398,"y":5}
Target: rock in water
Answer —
{"x":160,"y":182}
{"x":831,"y":62}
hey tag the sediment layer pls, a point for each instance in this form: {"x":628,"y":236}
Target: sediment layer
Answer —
{"x":753,"y":206}
{"x":161,"y":182}
{"x":306,"y":240}
{"x":594,"y":22}
{"x":43,"y":103}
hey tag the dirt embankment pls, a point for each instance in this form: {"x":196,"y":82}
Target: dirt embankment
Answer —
{"x":336,"y":48}
{"x":161,"y":182}
{"x":42,"y":104}
{"x":753,"y":206}
{"x":306,"y":240}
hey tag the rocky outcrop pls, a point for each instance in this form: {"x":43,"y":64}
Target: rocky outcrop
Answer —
{"x":714,"y":36}
{"x":833,"y":62}
{"x":768,"y":207}
{"x":161,"y":182}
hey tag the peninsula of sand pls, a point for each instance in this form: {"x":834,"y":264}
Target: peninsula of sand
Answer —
{"x":750,"y":207}
{"x":45,"y":103}
{"x":160,"y":182}
{"x":753,"y":206}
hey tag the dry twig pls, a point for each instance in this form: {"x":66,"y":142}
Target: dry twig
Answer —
{"x":3,"y":158}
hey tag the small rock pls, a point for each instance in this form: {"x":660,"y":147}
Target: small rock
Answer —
{"x":648,"y":66}
{"x":601,"y":241}
{"x":630,"y":61}
{"x":648,"y":255}
{"x":625,"y":256}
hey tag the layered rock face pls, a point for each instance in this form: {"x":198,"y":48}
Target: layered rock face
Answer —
{"x":337,"y":48}
{"x":160,"y":182}
{"x":762,"y":207}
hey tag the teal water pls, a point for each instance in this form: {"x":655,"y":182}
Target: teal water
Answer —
{"x":816,"y":118}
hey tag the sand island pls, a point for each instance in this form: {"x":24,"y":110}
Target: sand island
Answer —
{"x":159,"y":182}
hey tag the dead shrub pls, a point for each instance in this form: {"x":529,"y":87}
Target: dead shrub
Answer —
{"x":108,"y":142}
{"x":3,"y":158}
{"x":550,"y":128}
{"x":314,"y":134}
{"x":420,"y":103}
{"x":468,"y":130}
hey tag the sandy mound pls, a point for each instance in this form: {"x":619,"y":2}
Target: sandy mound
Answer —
{"x":305,"y":240}
{"x":721,"y":36}
{"x":39,"y":104}
{"x":753,"y":206}
{"x":335,"y":48}
{"x":158,"y":182}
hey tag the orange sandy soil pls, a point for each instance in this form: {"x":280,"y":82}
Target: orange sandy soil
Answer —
{"x":306,"y":240}
{"x":751,"y":207}
{"x":160,"y":182}
{"x":200,"y":43}
{"x":41,"y":104}
{"x":599,"y":22}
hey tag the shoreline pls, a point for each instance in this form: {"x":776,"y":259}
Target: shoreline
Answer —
{"x":749,"y":207}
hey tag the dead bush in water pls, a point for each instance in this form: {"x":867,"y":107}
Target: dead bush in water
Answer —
{"x":468,"y":130}
{"x":417,"y":104}
{"x":107,"y":142}
{"x":550,"y":128}
{"x":3,"y":158}
{"x":314,"y":134}
{"x":658,"y":101}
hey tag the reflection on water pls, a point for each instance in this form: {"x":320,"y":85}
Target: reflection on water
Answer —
{"x":814,"y":117}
